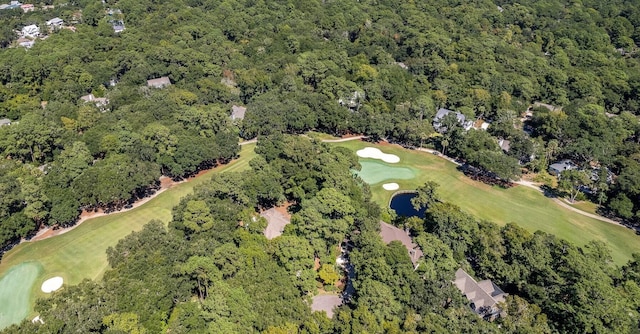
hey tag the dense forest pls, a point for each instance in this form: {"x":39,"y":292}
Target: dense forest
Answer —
{"x":380,"y":68}
{"x":207,"y":272}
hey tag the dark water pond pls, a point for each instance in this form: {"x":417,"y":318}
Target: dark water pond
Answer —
{"x":401,"y":203}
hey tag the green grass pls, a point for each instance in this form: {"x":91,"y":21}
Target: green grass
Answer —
{"x":320,"y":135}
{"x":522,"y":205}
{"x":81,"y":252}
{"x":15,"y":286}
{"x":376,"y":171}
{"x":585,"y":206}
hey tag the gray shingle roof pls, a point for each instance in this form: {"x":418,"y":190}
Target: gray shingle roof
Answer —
{"x":484,"y":295}
{"x":237,"y":112}
{"x":391,"y":233}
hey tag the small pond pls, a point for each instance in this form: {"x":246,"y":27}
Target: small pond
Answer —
{"x":401,"y":203}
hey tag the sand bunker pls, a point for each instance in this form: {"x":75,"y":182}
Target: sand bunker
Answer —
{"x":374,"y":153}
{"x":391,"y":186}
{"x":52,"y":284}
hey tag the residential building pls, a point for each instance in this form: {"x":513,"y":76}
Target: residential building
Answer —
{"x":442,"y":112}
{"x":31,"y":31}
{"x":276,"y":222}
{"x":560,"y":166}
{"x":484,"y":296}
{"x":352,"y":102}
{"x":118,"y":26}
{"x":55,"y":23}
{"x":391,"y":233}
{"x":5,"y":121}
{"x":25,"y":42}
{"x":504,"y":144}
{"x":11,"y":5}
{"x":237,"y":112}
{"x":27,"y":7}
{"x":159,"y":82}
{"x":99,"y":102}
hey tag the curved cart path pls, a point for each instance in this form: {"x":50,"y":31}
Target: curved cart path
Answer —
{"x":566,"y":205}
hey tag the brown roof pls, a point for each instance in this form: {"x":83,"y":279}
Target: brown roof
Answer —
{"x":391,"y":233}
{"x":484,"y":295}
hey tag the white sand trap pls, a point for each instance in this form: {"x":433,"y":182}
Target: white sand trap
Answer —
{"x":390,"y":186}
{"x":52,"y":284}
{"x":374,"y":153}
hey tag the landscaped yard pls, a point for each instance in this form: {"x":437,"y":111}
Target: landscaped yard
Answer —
{"x":81,"y":252}
{"x":522,"y":205}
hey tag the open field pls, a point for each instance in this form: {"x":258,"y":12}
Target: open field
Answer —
{"x":522,"y":205}
{"x":15,"y":286}
{"x":81,"y":252}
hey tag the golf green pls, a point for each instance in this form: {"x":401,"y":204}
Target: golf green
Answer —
{"x":373,"y":172}
{"x":15,"y":286}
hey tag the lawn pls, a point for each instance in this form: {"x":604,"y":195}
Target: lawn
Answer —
{"x":586,"y":206}
{"x":522,"y":205}
{"x":80,"y":253}
{"x":14,"y":292}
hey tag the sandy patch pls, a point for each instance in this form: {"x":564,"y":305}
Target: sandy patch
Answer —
{"x":391,"y":186}
{"x":52,"y":284}
{"x":374,"y":153}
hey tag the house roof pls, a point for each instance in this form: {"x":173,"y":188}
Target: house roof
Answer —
{"x":55,"y":20}
{"x":484,"y":295}
{"x":462,"y":119}
{"x":276,"y":223}
{"x":391,"y":233}
{"x":30,"y":27}
{"x":237,"y":112}
{"x":99,"y":101}
{"x":504,"y":144}
{"x":442,"y":112}
{"x":5,"y":121}
{"x":159,"y":82}
{"x":562,"y":166}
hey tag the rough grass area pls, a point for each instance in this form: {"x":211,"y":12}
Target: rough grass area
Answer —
{"x":81,"y":252}
{"x":522,"y":205}
{"x":15,"y":286}
{"x":586,"y":206}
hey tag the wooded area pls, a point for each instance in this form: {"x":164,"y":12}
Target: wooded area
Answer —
{"x":209,"y":273}
{"x":380,"y":68}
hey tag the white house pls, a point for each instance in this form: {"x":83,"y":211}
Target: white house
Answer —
{"x":55,"y":23}
{"x":31,"y":31}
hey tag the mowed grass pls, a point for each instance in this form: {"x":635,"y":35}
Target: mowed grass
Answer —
{"x":377,"y":171}
{"x":14,"y":292}
{"x":522,"y":205}
{"x":81,"y":252}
